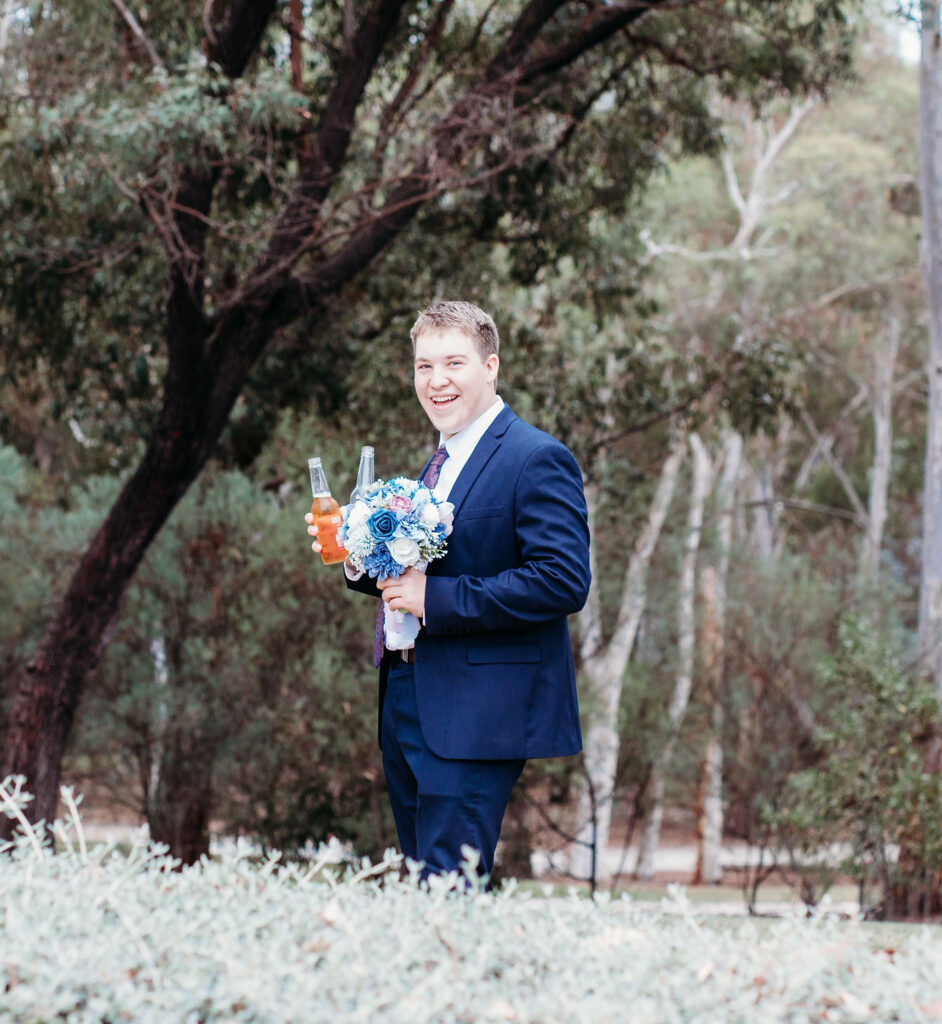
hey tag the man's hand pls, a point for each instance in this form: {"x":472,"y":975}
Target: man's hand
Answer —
{"x":312,"y":530}
{"x":352,"y":571}
{"x":407,"y":594}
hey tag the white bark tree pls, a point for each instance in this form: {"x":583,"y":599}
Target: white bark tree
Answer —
{"x":604,"y":665}
{"x":752,"y":198}
{"x":930,"y":184}
{"x":686,"y":637}
{"x":885,"y":352}
{"x":713,"y":583}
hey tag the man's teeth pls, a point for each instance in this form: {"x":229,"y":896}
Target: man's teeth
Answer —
{"x":443,"y":401}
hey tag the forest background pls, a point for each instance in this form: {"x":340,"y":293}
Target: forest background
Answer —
{"x":697,"y":226}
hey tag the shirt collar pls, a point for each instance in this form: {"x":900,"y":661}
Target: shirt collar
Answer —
{"x":463,"y":443}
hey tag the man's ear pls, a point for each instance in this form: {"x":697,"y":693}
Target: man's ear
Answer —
{"x":491,"y":364}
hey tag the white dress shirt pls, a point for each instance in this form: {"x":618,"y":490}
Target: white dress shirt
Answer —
{"x":461,"y":446}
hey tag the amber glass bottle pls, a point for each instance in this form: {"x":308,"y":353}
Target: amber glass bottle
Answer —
{"x":326,"y":513}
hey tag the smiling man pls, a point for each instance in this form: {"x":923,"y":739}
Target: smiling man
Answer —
{"x":490,"y":681}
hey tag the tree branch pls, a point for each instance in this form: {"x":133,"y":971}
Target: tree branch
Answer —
{"x":297,"y":222}
{"x":607,"y":24}
{"x":852,"y":496}
{"x":838,"y":293}
{"x":455,"y":136}
{"x":232,"y":44}
{"x":231,"y":47}
{"x":391,"y":115}
{"x":139,"y":34}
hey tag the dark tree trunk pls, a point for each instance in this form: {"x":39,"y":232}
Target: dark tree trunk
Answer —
{"x":47,"y":694}
{"x":178,"y":812}
{"x":198,"y":398}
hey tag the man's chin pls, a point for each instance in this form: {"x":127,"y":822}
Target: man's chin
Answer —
{"x":444,"y":419}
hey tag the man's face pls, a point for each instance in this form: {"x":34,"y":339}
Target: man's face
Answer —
{"x":454,"y":384}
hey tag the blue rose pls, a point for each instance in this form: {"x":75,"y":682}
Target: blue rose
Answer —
{"x":383,"y":524}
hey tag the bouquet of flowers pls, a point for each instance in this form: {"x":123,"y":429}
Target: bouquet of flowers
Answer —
{"x":396,"y":525}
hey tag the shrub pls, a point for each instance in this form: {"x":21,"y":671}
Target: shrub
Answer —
{"x":870,"y":792}
{"x":92,"y":936}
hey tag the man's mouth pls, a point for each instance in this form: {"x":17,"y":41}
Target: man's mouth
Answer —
{"x":444,"y":400}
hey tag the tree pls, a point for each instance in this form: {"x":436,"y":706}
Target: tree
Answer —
{"x":401,"y":117}
{"x":930,"y":187}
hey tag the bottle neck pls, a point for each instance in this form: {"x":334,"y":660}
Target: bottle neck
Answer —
{"x":319,"y":486}
{"x":364,"y":474}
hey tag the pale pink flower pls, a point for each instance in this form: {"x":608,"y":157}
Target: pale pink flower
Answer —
{"x":400,"y":503}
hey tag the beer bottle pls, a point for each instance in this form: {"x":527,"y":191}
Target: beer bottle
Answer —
{"x":364,"y":473}
{"x":326,"y":513}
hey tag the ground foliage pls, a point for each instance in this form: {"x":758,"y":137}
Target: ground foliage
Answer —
{"x":237,"y":940}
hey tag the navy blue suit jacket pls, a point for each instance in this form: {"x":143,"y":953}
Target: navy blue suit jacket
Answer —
{"x":494,"y":672}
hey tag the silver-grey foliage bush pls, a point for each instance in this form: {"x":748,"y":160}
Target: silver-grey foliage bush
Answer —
{"x":94,"y":935}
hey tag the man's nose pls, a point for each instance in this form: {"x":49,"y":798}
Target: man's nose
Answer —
{"x":439,"y":377}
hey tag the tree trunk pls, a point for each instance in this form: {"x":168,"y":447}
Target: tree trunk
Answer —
{"x":709,"y":869}
{"x":686,"y":629}
{"x":48,"y":692}
{"x":199,"y":395}
{"x":179,"y":808}
{"x":296,"y":32}
{"x":912,"y":900}
{"x":885,"y":352}
{"x":930,"y":182}
{"x":763,"y":513}
{"x":176,"y":771}
{"x":604,"y":669}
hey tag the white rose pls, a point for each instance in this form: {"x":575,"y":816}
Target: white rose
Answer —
{"x":404,"y":550}
{"x":358,"y":515}
{"x":429,"y":516}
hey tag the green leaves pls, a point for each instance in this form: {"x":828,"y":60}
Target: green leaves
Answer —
{"x":870,"y":789}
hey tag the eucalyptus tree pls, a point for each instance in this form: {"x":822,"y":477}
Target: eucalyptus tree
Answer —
{"x":930,"y":183}
{"x":263,"y":207}
{"x":800,"y":235}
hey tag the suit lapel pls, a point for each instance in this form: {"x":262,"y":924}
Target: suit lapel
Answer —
{"x":480,"y":457}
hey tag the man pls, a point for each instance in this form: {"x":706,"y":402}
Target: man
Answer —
{"x":490,"y":681}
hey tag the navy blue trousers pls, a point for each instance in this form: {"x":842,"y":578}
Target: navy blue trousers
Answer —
{"x":439,"y":804}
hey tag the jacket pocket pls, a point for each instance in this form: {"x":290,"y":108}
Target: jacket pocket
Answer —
{"x":503,"y":654}
{"x":481,"y":512}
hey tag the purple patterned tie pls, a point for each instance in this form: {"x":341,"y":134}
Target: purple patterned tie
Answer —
{"x":430,"y":479}
{"x":434,"y":471}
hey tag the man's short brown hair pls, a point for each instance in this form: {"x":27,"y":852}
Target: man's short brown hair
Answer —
{"x":464,"y":316}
